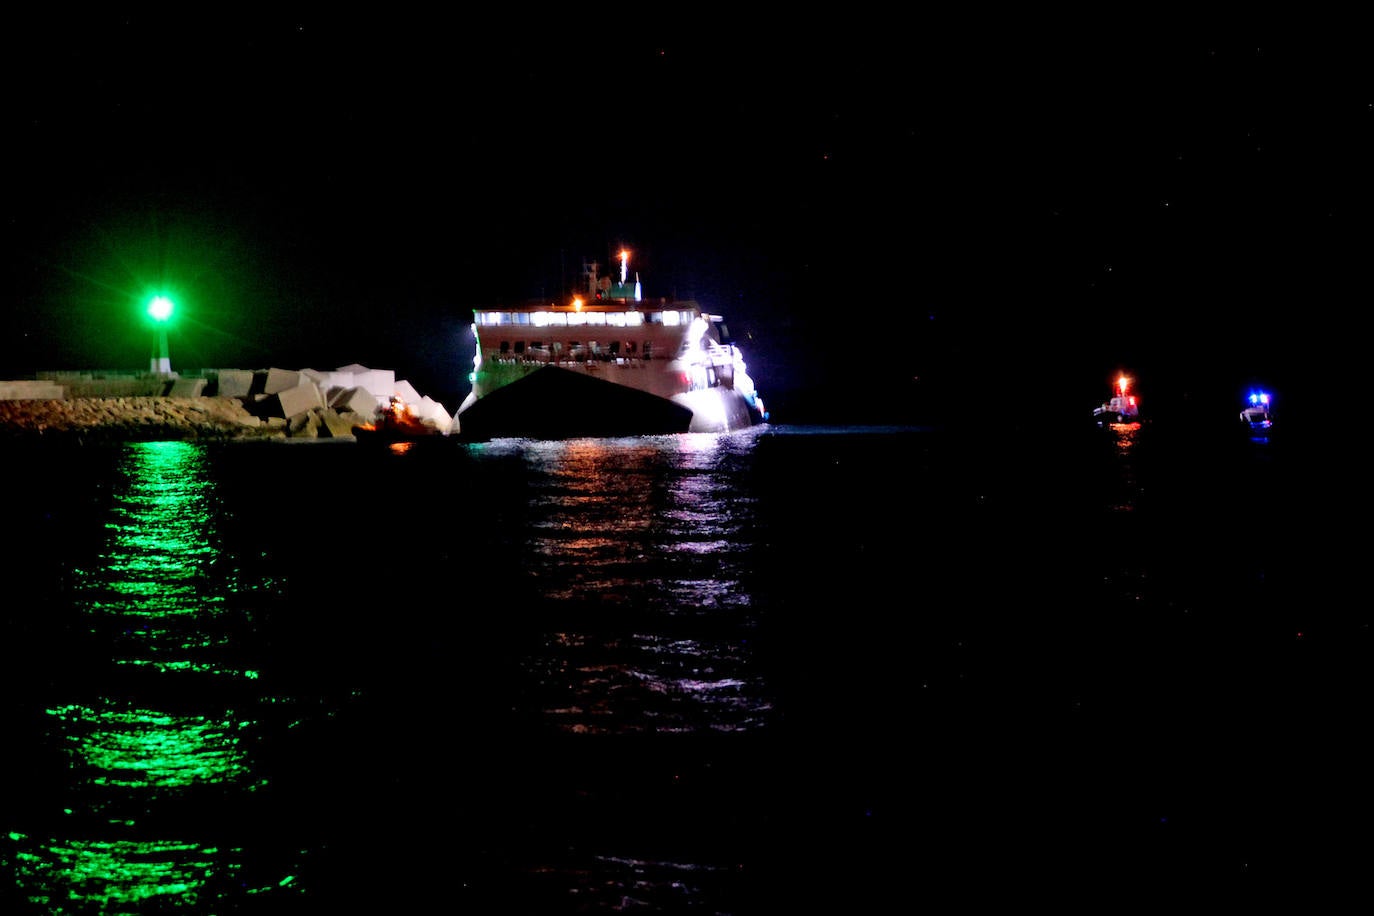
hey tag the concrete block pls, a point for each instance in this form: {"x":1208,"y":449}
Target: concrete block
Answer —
{"x":359,"y":400}
{"x":380,"y":383}
{"x":406,"y":392}
{"x":278,"y":380}
{"x":304,"y":425}
{"x":235,"y":383}
{"x":335,"y":426}
{"x":431,"y":411}
{"x":329,"y":380}
{"x":300,"y":399}
{"x":186,"y":388}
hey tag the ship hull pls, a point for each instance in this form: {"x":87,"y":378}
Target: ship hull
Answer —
{"x":555,"y":403}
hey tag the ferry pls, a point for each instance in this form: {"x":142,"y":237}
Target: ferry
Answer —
{"x":607,"y":362}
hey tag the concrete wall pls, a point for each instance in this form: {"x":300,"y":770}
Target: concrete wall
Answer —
{"x":31,"y":391}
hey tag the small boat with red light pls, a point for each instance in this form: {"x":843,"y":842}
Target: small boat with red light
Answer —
{"x":397,"y":422}
{"x":605,"y":362}
{"x":1122,"y":407}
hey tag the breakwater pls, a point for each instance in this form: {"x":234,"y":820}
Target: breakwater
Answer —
{"x":146,"y":418}
{"x":218,"y":404}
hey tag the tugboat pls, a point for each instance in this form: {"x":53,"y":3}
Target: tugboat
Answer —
{"x":607,"y":362}
{"x":1122,"y":408}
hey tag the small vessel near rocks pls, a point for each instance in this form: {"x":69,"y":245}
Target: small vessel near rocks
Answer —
{"x":395,"y":421}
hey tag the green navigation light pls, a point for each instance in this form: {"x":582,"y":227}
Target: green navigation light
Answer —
{"x":160,"y":308}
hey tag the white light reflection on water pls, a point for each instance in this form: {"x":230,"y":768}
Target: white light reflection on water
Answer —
{"x":634,"y":535}
{"x":642,"y":683}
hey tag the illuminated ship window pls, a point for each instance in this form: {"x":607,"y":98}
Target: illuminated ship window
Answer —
{"x":577,"y":318}
{"x":596,"y":318}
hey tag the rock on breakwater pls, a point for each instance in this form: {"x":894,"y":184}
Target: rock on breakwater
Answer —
{"x":153,"y":418}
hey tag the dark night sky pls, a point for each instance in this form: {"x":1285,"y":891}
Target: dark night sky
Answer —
{"x":880,"y":203}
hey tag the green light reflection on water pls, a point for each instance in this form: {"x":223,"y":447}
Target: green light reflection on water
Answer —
{"x":121,"y":876}
{"x":146,"y":748}
{"x":153,"y":581}
{"x":159,"y":595}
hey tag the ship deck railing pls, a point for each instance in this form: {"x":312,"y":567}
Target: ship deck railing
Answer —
{"x":508,"y":359}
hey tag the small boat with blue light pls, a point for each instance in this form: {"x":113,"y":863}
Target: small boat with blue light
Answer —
{"x":1258,"y":410}
{"x":606,"y":362}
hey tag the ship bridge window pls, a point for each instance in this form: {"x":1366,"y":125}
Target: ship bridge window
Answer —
{"x":521,"y":317}
{"x":596,"y":318}
{"x":575,"y":318}
{"x":667,"y":319}
{"x":616,"y":319}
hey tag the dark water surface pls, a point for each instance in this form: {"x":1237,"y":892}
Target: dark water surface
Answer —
{"x":794,"y":667}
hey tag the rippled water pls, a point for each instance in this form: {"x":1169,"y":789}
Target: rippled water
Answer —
{"x":720,"y":674}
